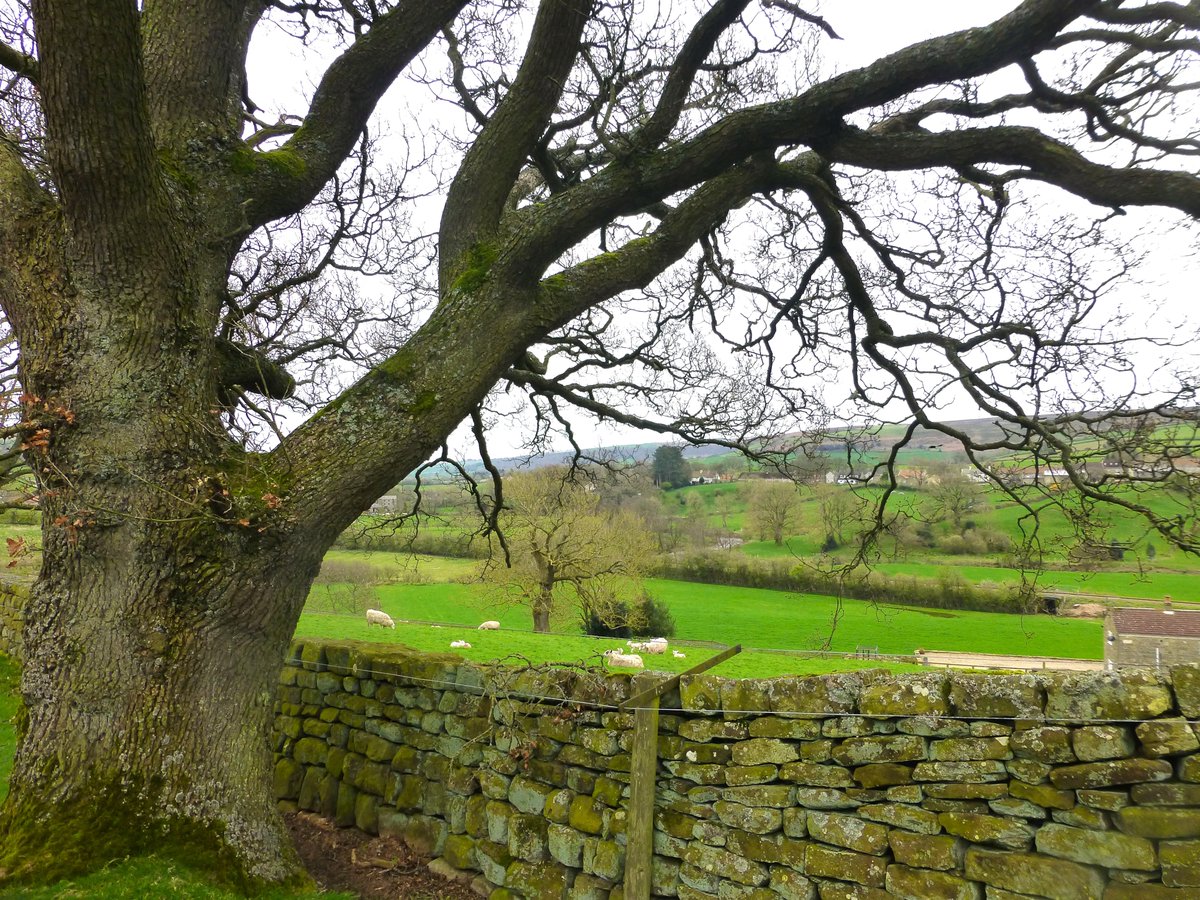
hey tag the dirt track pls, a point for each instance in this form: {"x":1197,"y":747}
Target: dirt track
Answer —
{"x":996,"y":661}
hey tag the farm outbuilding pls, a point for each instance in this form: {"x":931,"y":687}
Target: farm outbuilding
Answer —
{"x":1151,"y":637}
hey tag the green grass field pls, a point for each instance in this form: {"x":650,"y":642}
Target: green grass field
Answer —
{"x":757,"y":619}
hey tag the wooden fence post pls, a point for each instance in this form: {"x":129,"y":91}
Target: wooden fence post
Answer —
{"x":643,"y":776}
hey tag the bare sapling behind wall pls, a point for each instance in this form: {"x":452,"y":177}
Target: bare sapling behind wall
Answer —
{"x":676,"y":219}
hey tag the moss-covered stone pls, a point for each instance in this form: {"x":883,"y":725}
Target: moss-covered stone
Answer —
{"x":586,"y":815}
{"x":1097,"y":848}
{"x":993,"y":830}
{"x":1112,"y":772}
{"x":1045,"y":743}
{"x":743,"y":775}
{"x":722,"y":864}
{"x":1167,"y":737}
{"x":992,"y":696}
{"x":847,"y":831}
{"x":921,"y":884}
{"x":1163,"y":823}
{"x":1098,"y":742}
{"x":757,"y":751}
{"x":969,"y":749}
{"x":875,"y":775}
{"x":1180,"y":863}
{"x":1085,"y":696}
{"x":968,"y":791}
{"x":844,"y":865}
{"x":537,"y":879}
{"x":927,"y":851}
{"x":825,"y":798}
{"x":1038,"y":876}
{"x":752,"y":819}
{"x":1042,"y":794}
{"x":791,"y":885}
{"x":899,"y":815}
{"x":817,"y":775}
{"x":860,"y":751}
{"x":1186,"y":682}
{"x":780,"y":727}
{"x":965,"y":772}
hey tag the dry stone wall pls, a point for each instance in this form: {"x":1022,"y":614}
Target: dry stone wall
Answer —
{"x":866,"y":785}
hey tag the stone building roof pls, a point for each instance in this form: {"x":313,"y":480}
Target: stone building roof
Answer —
{"x":1163,"y":622}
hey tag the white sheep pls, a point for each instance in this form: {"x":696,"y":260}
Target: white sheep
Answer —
{"x":678,"y":655}
{"x":489,"y":625}
{"x":460,"y":645}
{"x":654,"y":645}
{"x":380,"y":618}
{"x":623,"y":660}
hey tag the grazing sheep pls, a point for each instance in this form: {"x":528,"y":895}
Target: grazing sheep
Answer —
{"x":655,"y":645}
{"x":678,"y":655}
{"x":380,"y":618}
{"x":623,"y":660}
{"x":460,"y":645}
{"x":489,"y":625}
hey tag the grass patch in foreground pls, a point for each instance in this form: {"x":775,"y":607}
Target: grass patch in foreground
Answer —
{"x":150,"y":876}
{"x":10,"y":677}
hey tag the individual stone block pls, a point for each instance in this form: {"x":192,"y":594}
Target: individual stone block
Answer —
{"x":1082,"y":817}
{"x":1165,"y":794}
{"x":1147,"y":892}
{"x":1113,"y":772}
{"x":898,"y":815}
{"x":565,"y":845}
{"x":969,"y":791}
{"x":823,"y":695}
{"x":741,"y":775}
{"x":603,"y":858}
{"x":1001,"y":697}
{"x":1097,"y":848}
{"x":1042,"y":795}
{"x":723,"y":864}
{"x":780,"y":727}
{"x":1129,"y":696}
{"x":1180,"y":863}
{"x":537,"y":879}
{"x":1045,"y":744}
{"x":1107,"y":800}
{"x":752,"y":819}
{"x":817,"y":775}
{"x":764,"y":750}
{"x":859,"y":751}
{"x":961,"y":772}
{"x":791,"y":885}
{"x":924,"y":851}
{"x":967,"y":749}
{"x":758,"y":847}
{"x":844,"y":865}
{"x":994,"y":830}
{"x":1188,"y":769}
{"x":528,"y":837}
{"x":1166,"y":823}
{"x":1096,"y":742}
{"x":1016,"y":809}
{"x":846,"y":831}
{"x":916,"y":695}
{"x":922,"y":884}
{"x":874,"y":775}
{"x":1167,"y":737}
{"x":590,"y":887}
{"x":933,"y":726}
{"x":776,"y":795}
{"x":1186,"y":681}
{"x":1037,"y":876}
{"x":824,"y":798}
{"x":704,"y":730}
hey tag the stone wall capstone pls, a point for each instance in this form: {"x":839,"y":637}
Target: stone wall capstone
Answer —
{"x":864,"y":785}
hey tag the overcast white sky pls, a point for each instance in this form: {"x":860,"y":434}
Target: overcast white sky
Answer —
{"x":869,"y":28}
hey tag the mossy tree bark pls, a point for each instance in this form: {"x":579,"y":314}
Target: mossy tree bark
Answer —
{"x":175,"y":562}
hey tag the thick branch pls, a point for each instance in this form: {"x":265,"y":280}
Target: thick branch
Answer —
{"x":476,"y":199}
{"x":97,"y":125}
{"x":813,"y":118}
{"x":1044,"y":159}
{"x":341,"y":107}
{"x":16,"y":61}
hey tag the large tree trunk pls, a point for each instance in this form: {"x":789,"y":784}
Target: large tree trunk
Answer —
{"x":149,"y":707}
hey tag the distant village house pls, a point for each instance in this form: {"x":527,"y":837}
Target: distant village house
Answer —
{"x":1151,"y":637}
